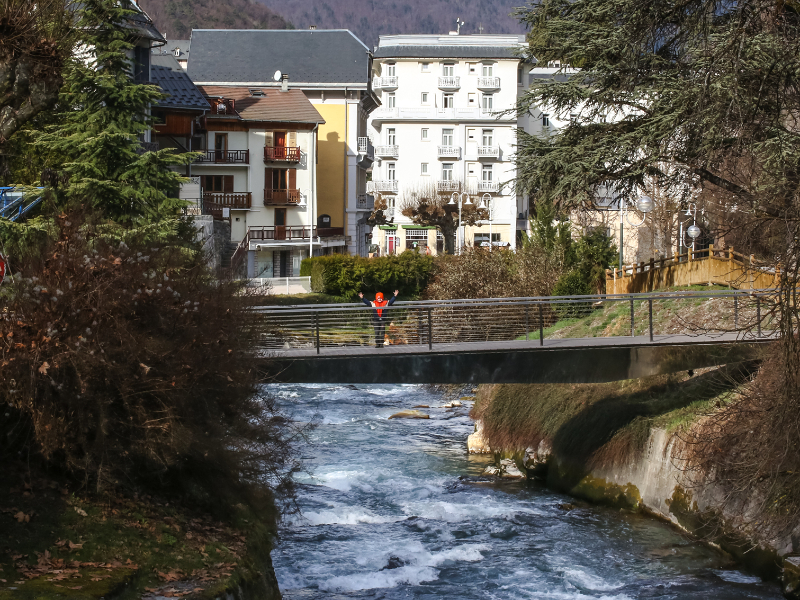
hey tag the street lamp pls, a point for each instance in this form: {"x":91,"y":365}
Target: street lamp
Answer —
{"x":644,"y":205}
{"x":693,"y":231}
{"x":486,"y":204}
{"x":459,"y":202}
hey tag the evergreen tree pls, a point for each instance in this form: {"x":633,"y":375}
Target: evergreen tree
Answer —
{"x":105,"y":115}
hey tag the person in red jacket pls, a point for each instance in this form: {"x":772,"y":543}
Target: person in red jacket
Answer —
{"x":379,"y":314}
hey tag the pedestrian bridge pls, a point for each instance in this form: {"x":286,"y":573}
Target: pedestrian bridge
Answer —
{"x":576,"y":339}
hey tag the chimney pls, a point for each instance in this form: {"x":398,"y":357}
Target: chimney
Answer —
{"x":285,"y":82}
{"x":312,"y":27}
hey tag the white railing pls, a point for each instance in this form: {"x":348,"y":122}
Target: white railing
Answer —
{"x":448,"y":186}
{"x":489,"y":151}
{"x":488,"y":187}
{"x":450,"y":151}
{"x":488,"y":83}
{"x":385,"y":83}
{"x":449,"y":83}
{"x":392,"y":151}
{"x":282,"y":285}
{"x":387,"y":185}
{"x":433,"y":112}
{"x":364,"y":145}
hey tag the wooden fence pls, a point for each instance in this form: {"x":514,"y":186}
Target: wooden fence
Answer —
{"x":696,"y":267}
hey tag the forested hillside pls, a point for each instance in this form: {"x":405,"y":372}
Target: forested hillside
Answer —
{"x":177,"y":18}
{"x":369,"y":19}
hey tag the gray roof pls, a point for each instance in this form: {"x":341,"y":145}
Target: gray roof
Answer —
{"x":143,"y":25}
{"x":172,"y":79}
{"x":237,"y":56}
{"x":171,"y":45}
{"x":413,"y":51}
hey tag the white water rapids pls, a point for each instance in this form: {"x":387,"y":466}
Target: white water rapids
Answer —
{"x":393,"y":509}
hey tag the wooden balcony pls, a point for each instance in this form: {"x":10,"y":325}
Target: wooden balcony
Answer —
{"x":217,"y":157}
{"x":281,"y":197}
{"x":281,"y":154}
{"x":213,"y":203}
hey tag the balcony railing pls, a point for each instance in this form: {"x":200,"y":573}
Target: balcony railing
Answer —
{"x":366,"y":153}
{"x":388,"y":185}
{"x":433,"y":112}
{"x":449,"y":151}
{"x":488,"y":83}
{"x":390,"y":151}
{"x":213,"y":203}
{"x":488,"y":151}
{"x":448,"y":186}
{"x":386,"y":83}
{"x":449,"y":83}
{"x":223,"y":106}
{"x":365,"y":202}
{"x":240,"y":157}
{"x":281,"y":153}
{"x":491,"y":187}
{"x":280,"y":233}
{"x":281,"y":197}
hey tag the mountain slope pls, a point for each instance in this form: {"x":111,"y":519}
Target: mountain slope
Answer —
{"x":177,"y":18}
{"x":369,"y":19}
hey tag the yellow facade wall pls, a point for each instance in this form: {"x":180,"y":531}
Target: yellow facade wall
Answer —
{"x":331,"y":168}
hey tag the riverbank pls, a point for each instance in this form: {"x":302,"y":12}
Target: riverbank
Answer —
{"x":621,"y":444}
{"x":56,"y":544}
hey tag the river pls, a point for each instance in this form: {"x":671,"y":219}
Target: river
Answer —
{"x":395,"y":509}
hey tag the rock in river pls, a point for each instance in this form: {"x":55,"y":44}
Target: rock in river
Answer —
{"x":410,"y":414}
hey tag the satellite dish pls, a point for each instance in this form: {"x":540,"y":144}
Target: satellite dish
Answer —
{"x":277,"y":76}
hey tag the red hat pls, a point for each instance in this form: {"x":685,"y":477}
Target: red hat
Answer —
{"x":379,"y":297}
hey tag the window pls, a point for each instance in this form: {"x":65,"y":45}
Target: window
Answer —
{"x":448,"y":101}
{"x":390,"y":100}
{"x":488,"y":103}
{"x":391,"y":171}
{"x":447,"y":171}
{"x":424,"y":134}
{"x":519,"y":75}
{"x":423,"y":169}
{"x":488,"y":137}
{"x":486,"y":173}
{"x":416,"y":238}
{"x":471,"y":98}
{"x":486,"y":70}
{"x":472,"y":68}
{"x":573,"y":117}
{"x":257,"y":93}
{"x":448,"y":70}
{"x":447,"y":137}
{"x":391,"y":70}
{"x":545,"y":120}
{"x":391,"y":136}
{"x":424,"y":99}
{"x":482,"y":239}
{"x":425,"y":67}
{"x":439,"y":242}
{"x":221,"y":142}
{"x":220,"y":184}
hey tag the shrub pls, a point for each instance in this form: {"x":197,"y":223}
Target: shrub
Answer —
{"x":572,"y":283}
{"x":125,"y":364}
{"x":344,"y":276}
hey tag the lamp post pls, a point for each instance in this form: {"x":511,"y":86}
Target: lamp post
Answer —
{"x":487,"y":204}
{"x":644,"y":205}
{"x":458,"y":198}
{"x":693,"y":231}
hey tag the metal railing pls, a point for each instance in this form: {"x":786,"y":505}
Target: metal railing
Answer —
{"x":489,"y":151}
{"x":281,"y":285}
{"x":670,"y":317}
{"x":449,"y":82}
{"x":449,"y":151}
{"x":236,"y":157}
{"x":488,"y":187}
{"x":392,"y":151}
{"x":385,"y":185}
{"x":488,"y":83}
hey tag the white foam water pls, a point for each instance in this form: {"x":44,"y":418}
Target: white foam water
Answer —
{"x":392,"y":510}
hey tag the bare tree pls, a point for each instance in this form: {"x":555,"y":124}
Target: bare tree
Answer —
{"x":425,"y":204}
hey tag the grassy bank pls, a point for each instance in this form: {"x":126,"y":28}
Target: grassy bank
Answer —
{"x":599,"y":424}
{"x":56,"y":544}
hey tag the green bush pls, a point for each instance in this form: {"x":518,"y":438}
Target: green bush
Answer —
{"x":344,"y":276}
{"x":572,"y":283}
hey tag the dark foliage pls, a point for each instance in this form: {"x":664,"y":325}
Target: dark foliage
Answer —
{"x":126,"y":365}
{"x":176,"y":18}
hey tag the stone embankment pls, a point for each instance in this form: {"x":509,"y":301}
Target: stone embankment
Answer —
{"x":652,"y":478}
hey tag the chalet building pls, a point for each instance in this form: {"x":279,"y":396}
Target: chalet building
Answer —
{"x":331,"y":71}
{"x":447,"y":122}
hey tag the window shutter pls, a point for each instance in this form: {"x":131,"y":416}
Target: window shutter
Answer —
{"x":268,"y":179}
{"x":291,"y":140}
{"x":227,"y":184}
{"x":292,"y":179}
{"x":270,"y":139}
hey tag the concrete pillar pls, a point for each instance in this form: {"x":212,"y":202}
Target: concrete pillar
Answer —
{"x":251,"y":263}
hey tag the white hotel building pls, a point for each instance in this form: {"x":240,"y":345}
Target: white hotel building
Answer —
{"x":447,"y":119}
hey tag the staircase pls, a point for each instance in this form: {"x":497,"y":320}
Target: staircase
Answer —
{"x":15,"y":205}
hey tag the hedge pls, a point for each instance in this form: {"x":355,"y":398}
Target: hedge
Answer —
{"x":344,"y":276}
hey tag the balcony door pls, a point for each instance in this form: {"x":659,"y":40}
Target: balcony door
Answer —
{"x":280,"y":225}
{"x":282,"y":263}
{"x":220,"y":147}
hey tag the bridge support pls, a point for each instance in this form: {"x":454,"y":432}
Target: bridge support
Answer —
{"x":529,"y":364}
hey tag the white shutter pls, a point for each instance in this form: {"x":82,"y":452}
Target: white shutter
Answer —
{"x":270,"y":139}
{"x":291,"y":140}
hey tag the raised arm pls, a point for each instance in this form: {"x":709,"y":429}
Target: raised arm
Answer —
{"x":393,"y":298}
{"x":364,"y":300}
